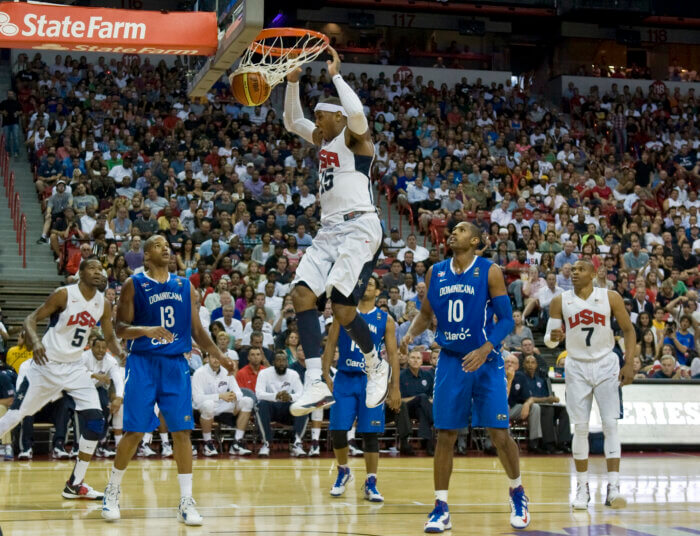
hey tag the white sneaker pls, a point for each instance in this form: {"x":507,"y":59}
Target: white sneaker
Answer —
{"x":110,"y":503}
{"x":26,"y":455}
{"x":583,"y":497}
{"x":9,"y":454}
{"x":519,"y":513}
{"x":439,"y":519}
{"x":237,"y":449}
{"x":354,"y":451}
{"x":145,"y":451}
{"x":104,"y":452}
{"x":377,"y":383}
{"x":316,"y":395}
{"x":187,"y":513}
{"x":342,"y":480}
{"x":59,"y":453}
{"x":614,"y":499}
{"x":209,"y":449}
{"x":264,"y":450}
{"x":81,"y":491}
{"x":297,"y":450}
{"x":314,"y":452}
{"x":166,"y":450}
{"x":194,"y":451}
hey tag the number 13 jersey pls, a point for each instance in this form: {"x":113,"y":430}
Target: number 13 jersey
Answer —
{"x":162,"y":304}
{"x":589,"y":334}
{"x":68,"y":332}
{"x":344,"y":177}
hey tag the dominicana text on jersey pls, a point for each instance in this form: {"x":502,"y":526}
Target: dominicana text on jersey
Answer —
{"x":462,"y":305}
{"x":351,"y":358}
{"x":162,"y":304}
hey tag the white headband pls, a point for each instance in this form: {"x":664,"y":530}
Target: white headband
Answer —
{"x":328,"y":107}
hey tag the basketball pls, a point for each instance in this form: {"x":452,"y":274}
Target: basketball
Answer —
{"x":250,"y":88}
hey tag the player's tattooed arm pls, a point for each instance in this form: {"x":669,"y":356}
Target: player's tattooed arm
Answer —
{"x":617,"y":306}
{"x":53,"y":304}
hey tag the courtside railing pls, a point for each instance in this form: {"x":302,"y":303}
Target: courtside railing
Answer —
{"x":19,"y":220}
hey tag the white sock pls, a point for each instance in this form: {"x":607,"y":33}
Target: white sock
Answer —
{"x":582,"y":477}
{"x":313,"y":369}
{"x":344,"y":466}
{"x":116,"y":477}
{"x":614,"y":478}
{"x":315,"y":434}
{"x":79,"y":471}
{"x":441,"y":495}
{"x":370,"y":475}
{"x":185,"y":482}
{"x":117,"y":439}
{"x":239,"y":434}
{"x":515,"y":482}
{"x":164,"y":437}
{"x":147,"y":438}
{"x":351,"y":434}
{"x":206,"y":436}
{"x":297,"y":440}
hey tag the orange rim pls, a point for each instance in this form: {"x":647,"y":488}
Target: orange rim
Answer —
{"x":259,"y":47}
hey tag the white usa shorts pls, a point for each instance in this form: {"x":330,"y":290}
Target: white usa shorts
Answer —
{"x":587,"y":379}
{"x":342,"y":257}
{"x":213,"y":408}
{"x":46,"y":383}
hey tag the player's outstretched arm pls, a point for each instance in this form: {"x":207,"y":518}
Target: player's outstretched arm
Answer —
{"x":393,"y":400}
{"x":422,"y":320}
{"x":617,"y":306}
{"x":53,"y":304}
{"x":358,"y":127}
{"x":201,"y":335}
{"x":329,"y":352}
{"x":293,"y":115}
{"x":108,"y":332}
{"x":554,"y":332}
{"x":125,"y":316}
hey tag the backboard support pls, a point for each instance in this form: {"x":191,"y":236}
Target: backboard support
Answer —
{"x":246,"y":18}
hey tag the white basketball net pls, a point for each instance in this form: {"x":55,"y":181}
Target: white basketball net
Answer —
{"x":296,"y":51}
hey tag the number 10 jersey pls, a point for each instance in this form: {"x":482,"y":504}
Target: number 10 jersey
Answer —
{"x":68,"y":332}
{"x":589,"y":334}
{"x":162,"y":304}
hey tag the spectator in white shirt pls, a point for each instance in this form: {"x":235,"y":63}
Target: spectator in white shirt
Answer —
{"x":216,"y":393}
{"x":232,"y":326}
{"x":419,"y":252}
{"x":122,"y":170}
{"x":544,"y":296}
{"x":501,"y":215}
{"x":276,"y":388}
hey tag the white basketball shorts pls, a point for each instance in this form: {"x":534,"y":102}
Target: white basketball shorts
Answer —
{"x":588,"y":379}
{"x":47,"y":382}
{"x":340,"y":255}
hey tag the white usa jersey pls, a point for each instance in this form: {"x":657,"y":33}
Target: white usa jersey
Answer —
{"x":345,"y":185}
{"x":69,"y":330}
{"x":589,"y":334}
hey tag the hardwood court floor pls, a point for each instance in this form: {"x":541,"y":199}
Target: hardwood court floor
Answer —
{"x":284,"y":496}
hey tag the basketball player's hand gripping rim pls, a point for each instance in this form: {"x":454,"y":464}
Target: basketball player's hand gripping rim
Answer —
{"x":293,"y":76}
{"x":474,"y":359}
{"x":626,"y":374}
{"x":160,"y":333}
{"x":333,"y":66}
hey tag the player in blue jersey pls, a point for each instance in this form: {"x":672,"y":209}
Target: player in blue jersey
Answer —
{"x":465,"y":293}
{"x":349,"y":389}
{"x":158,"y":314}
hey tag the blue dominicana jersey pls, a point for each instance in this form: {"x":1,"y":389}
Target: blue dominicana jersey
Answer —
{"x":162,"y":304}
{"x":351,"y":358}
{"x":462,"y":305}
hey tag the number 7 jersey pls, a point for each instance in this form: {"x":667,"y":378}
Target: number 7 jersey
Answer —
{"x":589,"y":334}
{"x":162,"y":304}
{"x":68,"y":331}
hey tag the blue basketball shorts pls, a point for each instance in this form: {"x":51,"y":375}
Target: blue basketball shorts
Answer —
{"x":152,"y":379}
{"x":481,"y":394}
{"x":349,"y":390}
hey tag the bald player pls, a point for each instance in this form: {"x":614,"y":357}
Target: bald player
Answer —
{"x":465,"y":293}
{"x":592,"y":370}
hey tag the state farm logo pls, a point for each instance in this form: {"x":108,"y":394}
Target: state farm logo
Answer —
{"x":6,"y":27}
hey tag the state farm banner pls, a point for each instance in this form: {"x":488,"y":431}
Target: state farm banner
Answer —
{"x":84,"y":29}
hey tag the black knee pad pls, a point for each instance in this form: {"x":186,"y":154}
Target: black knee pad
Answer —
{"x":370,"y":442}
{"x":339,"y":438}
{"x":94,"y":424}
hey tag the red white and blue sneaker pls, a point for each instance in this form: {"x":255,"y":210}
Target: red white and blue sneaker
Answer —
{"x":439,"y":519}
{"x":371,"y":493}
{"x":343,"y":479}
{"x":316,"y":395}
{"x":81,"y":491}
{"x":519,"y":515}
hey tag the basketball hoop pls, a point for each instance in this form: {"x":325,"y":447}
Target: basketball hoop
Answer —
{"x":278,"y":51}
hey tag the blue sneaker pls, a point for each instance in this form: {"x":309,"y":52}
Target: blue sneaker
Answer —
{"x":371,"y":493}
{"x":438,"y":519}
{"x":519,"y":515}
{"x":344,"y":478}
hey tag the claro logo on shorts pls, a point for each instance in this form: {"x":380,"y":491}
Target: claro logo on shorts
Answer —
{"x":94,"y":28}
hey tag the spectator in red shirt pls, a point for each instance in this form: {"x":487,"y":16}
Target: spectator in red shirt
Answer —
{"x":513,"y":271}
{"x":247,"y":377}
{"x":601,"y":191}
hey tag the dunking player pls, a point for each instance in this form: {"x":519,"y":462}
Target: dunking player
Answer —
{"x":348,"y":388}
{"x":158,"y":313}
{"x":465,"y":292}
{"x":342,"y":255}
{"x":592,"y":370}
{"x":57,"y":366}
